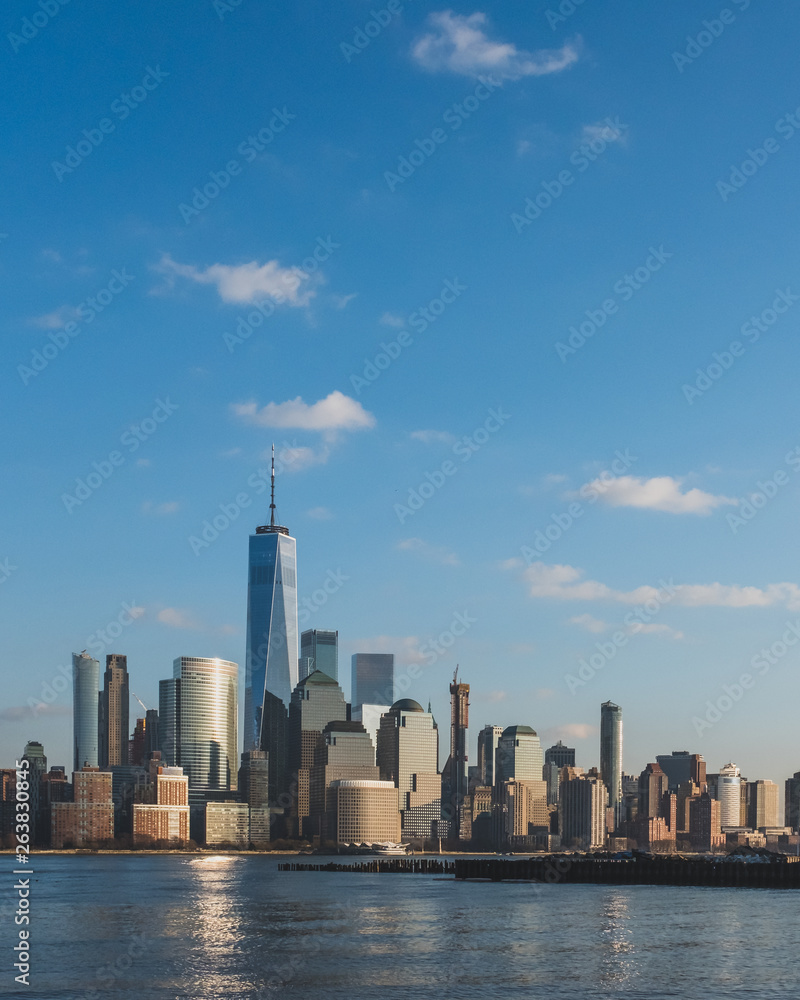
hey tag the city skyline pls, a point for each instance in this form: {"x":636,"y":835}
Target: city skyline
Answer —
{"x":545,"y":307}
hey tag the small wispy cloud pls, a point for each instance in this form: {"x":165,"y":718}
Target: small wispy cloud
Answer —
{"x":589,"y":623}
{"x":244,"y":283}
{"x":390,"y":319}
{"x":431,"y":553}
{"x":176,"y":618}
{"x":459,"y":44}
{"x":662,"y":493}
{"x":160,"y":509}
{"x":320,"y":514}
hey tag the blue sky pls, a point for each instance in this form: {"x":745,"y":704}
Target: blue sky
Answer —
{"x":462,"y":267}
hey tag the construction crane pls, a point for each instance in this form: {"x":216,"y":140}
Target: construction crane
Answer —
{"x":136,"y":696}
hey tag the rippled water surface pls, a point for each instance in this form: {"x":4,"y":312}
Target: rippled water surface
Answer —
{"x":203,"y":928}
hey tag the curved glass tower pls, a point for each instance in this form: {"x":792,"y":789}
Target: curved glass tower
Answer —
{"x":85,"y":705}
{"x":611,"y":755}
{"x":271,"y":660}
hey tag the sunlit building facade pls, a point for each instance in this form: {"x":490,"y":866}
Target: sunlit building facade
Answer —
{"x":85,"y":704}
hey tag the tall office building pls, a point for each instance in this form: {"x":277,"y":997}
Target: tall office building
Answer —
{"x":271,"y":664}
{"x":454,"y":775}
{"x":319,"y":650}
{"x":85,"y":701}
{"x":611,"y":755}
{"x":519,"y":755}
{"x":344,"y":753}
{"x":729,"y":794}
{"x":560,"y":755}
{"x":113,"y":712}
{"x":316,"y":701}
{"x":37,"y":761}
{"x":581,"y":812}
{"x":488,"y":739}
{"x":681,"y":766}
{"x":372,"y":679}
{"x":198,"y":719}
{"x":762,"y":804}
{"x":408,"y":755}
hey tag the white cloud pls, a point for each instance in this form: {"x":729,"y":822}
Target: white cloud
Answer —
{"x":566,"y":583}
{"x":603,"y":132}
{"x":433,"y":437}
{"x":589,"y":623}
{"x":458,"y":44}
{"x":432,"y":553}
{"x":16,"y":712}
{"x":639,"y":628}
{"x":56,"y":319}
{"x":495,"y":696}
{"x":389,"y":319}
{"x":573,"y":731}
{"x":545,"y":694}
{"x":320,"y":514}
{"x":176,"y":618}
{"x":343,"y":301}
{"x":659,"y":493}
{"x":336,"y":412}
{"x":245,"y":283}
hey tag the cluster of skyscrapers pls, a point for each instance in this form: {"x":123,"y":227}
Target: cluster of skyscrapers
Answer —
{"x":316,"y":767}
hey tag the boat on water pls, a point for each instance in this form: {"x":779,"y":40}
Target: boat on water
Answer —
{"x":390,"y":850}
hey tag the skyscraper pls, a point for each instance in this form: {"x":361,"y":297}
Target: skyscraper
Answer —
{"x":681,"y":766}
{"x":408,"y":755}
{"x":85,"y":702}
{"x":271,"y":664}
{"x":792,"y":801}
{"x":519,"y":755}
{"x":762,"y":804}
{"x":560,"y":755}
{"x":454,"y":776}
{"x":372,"y":679}
{"x":198,"y":716}
{"x":729,"y":795}
{"x":611,"y":755}
{"x":488,"y":738}
{"x":319,"y":650}
{"x":113,"y":712}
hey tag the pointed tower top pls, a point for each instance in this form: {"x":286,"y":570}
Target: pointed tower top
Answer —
{"x":272,"y":527}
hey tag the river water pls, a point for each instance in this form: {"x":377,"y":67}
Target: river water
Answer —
{"x":200,"y":928}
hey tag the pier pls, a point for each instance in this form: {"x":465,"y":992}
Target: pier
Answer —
{"x":566,"y":869}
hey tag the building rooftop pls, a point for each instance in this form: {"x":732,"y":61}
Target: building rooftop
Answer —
{"x":406,"y":705}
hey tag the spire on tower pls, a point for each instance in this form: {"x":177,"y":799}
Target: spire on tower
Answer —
{"x":272,"y":490}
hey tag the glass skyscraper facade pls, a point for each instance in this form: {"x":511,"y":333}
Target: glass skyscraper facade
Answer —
{"x":85,"y":704}
{"x":372,"y":681}
{"x":198,"y":716}
{"x":271,"y":664}
{"x":319,"y":650}
{"x":114,"y":712}
{"x":611,"y":755}
{"x":519,"y":755}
